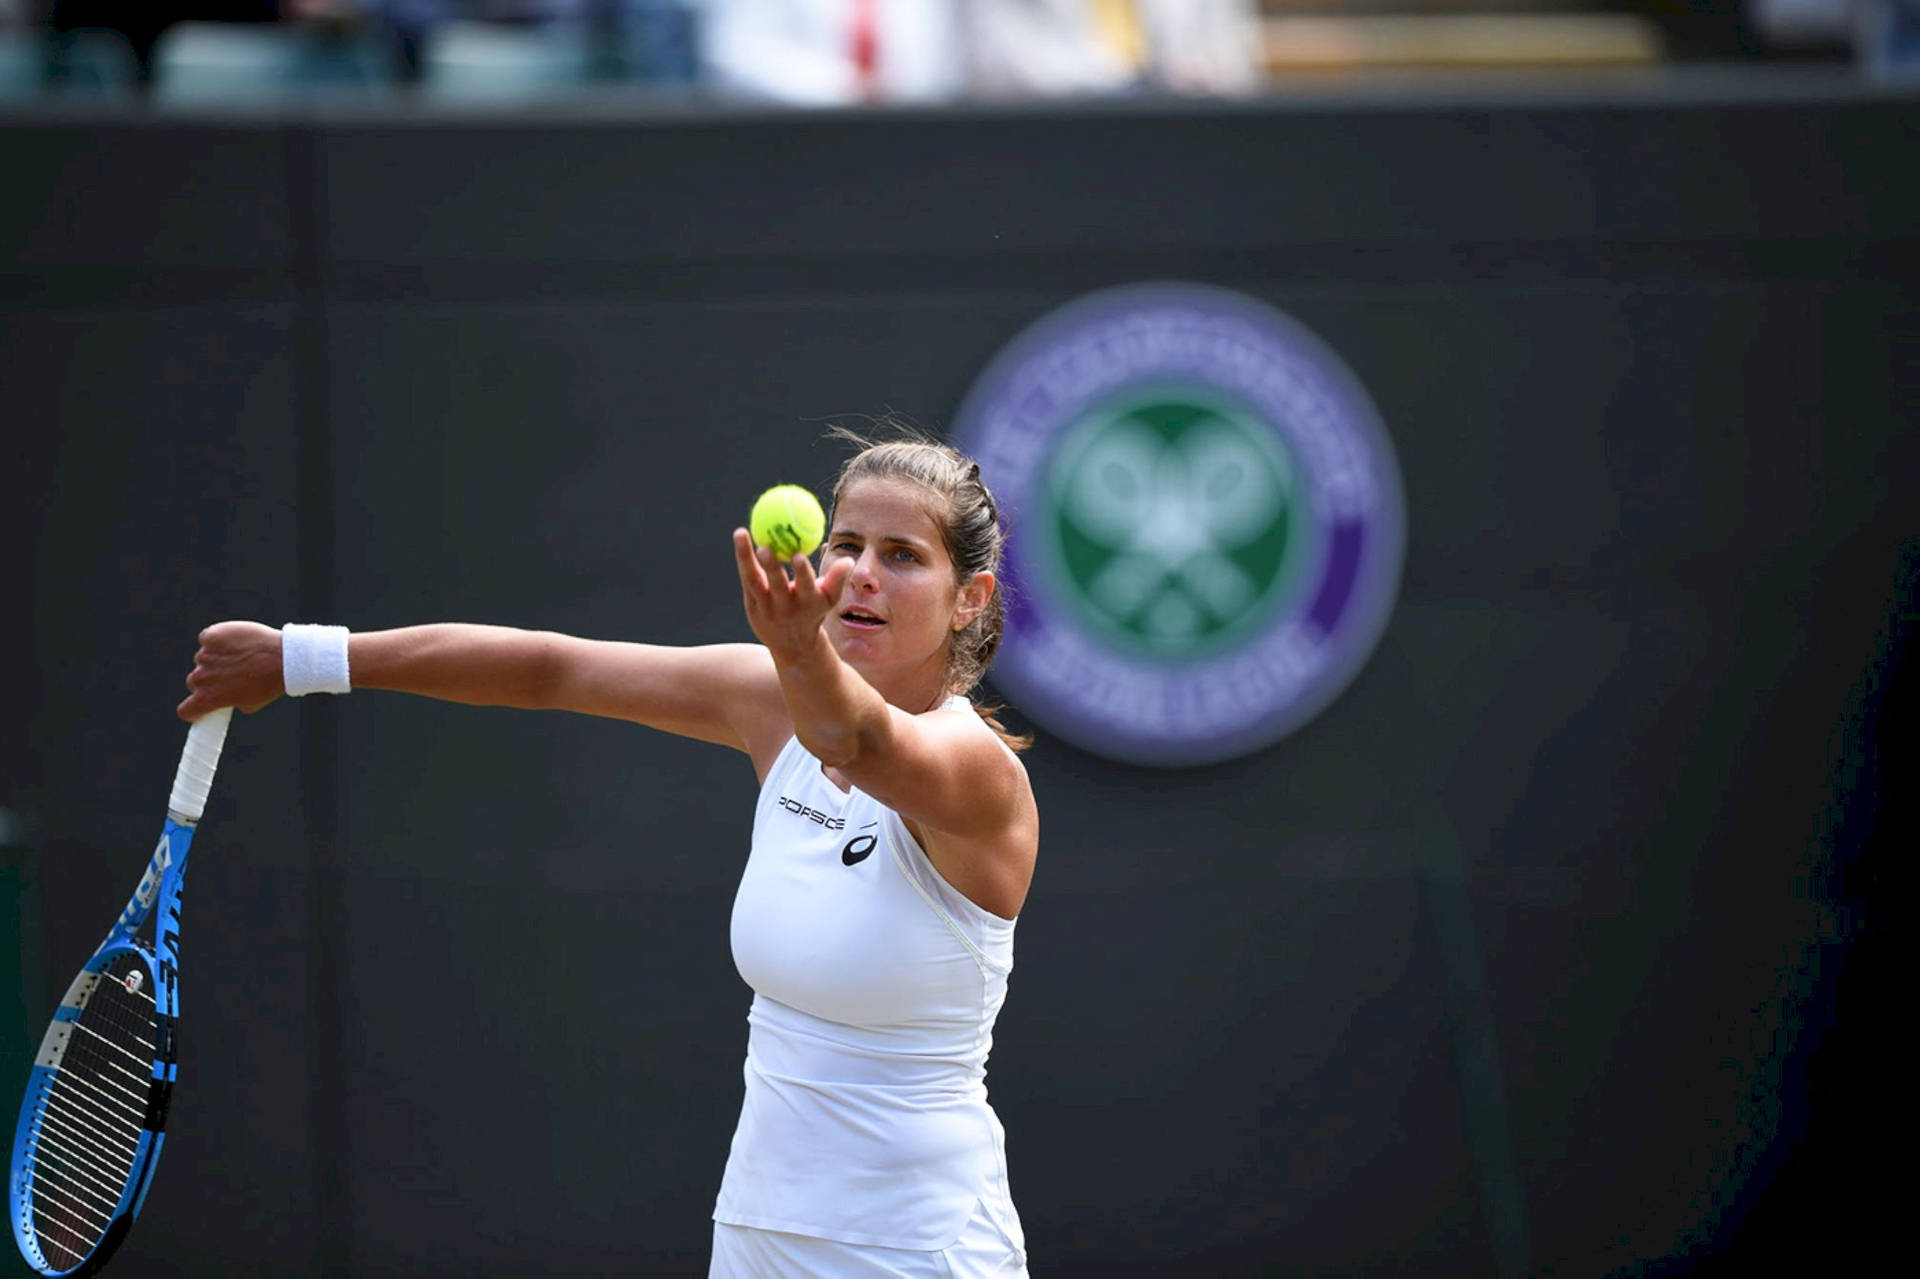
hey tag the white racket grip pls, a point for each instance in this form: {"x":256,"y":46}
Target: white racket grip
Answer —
{"x":197,"y":762}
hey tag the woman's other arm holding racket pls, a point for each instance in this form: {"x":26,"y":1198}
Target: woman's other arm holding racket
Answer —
{"x":723,"y":693}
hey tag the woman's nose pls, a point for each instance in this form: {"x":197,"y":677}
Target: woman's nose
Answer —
{"x":864,"y":575}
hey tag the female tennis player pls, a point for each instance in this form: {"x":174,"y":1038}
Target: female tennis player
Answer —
{"x":893,"y":843}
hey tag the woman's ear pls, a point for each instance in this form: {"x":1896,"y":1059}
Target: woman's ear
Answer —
{"x":975,"y":594}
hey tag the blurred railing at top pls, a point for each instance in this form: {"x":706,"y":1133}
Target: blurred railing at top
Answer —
{"x":848,"y":52}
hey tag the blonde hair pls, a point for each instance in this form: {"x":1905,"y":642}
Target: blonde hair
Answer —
{"x":970,"y":528}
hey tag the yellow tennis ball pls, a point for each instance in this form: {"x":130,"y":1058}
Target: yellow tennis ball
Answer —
{"x":789,"y":519}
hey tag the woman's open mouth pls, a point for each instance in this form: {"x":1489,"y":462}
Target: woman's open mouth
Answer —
{"x":860,"y":620}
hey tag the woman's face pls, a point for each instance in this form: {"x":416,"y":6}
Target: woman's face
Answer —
{"x":901,"y":604}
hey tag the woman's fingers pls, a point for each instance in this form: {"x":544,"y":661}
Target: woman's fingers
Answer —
{"x":785,"y":593}
{"x":834,"y":580}
{"x":237,"y":664}
{"x":770,"y":593}
{"x":819,"y":590}
{"x":779,"y":585}
{"x":753,"y":578}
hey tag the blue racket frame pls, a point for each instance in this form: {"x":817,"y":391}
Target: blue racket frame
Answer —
{"x":157,"y":897}
{"x":161,"y":886}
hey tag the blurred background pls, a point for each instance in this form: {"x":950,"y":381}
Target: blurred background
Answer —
{"x":1555,"y":945}
{"x":837,"y":52}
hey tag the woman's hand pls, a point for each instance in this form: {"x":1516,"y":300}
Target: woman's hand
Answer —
{"x":786,"y":612}
{"x":238,"y":665}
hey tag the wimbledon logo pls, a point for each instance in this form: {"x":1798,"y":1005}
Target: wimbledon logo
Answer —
{"x":1207,"y":521}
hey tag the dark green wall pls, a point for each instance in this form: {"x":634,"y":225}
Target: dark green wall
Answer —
{"x":1513,"y":961}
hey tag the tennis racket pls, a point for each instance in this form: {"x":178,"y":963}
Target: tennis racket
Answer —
{"x":96,"y":1104}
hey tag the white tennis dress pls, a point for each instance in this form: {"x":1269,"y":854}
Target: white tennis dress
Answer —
{"x":876,"y":984}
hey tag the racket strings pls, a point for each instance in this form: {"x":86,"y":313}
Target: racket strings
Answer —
{"x":91,"y":1113}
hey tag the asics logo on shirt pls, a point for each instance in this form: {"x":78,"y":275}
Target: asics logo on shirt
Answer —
{"x":814,"y":815}
{"x":857,"y":850}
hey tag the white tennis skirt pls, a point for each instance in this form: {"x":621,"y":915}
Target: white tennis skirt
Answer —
{"x":983,"y":1251}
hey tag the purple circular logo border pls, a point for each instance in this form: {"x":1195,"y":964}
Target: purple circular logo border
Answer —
{"x":1146,"y":337}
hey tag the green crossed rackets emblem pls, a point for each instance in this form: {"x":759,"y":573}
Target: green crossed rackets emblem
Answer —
{"x":1172,"y":522}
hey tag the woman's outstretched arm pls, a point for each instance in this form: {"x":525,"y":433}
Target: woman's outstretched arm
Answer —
{"x":724,"y":693}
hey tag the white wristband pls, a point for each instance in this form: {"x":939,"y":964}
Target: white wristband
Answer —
{"x":313,"y":659}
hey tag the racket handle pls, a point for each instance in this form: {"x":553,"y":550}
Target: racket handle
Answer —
{"x":197,"y":762}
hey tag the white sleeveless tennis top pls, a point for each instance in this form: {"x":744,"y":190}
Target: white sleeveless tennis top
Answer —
{"x":876,"y":984}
